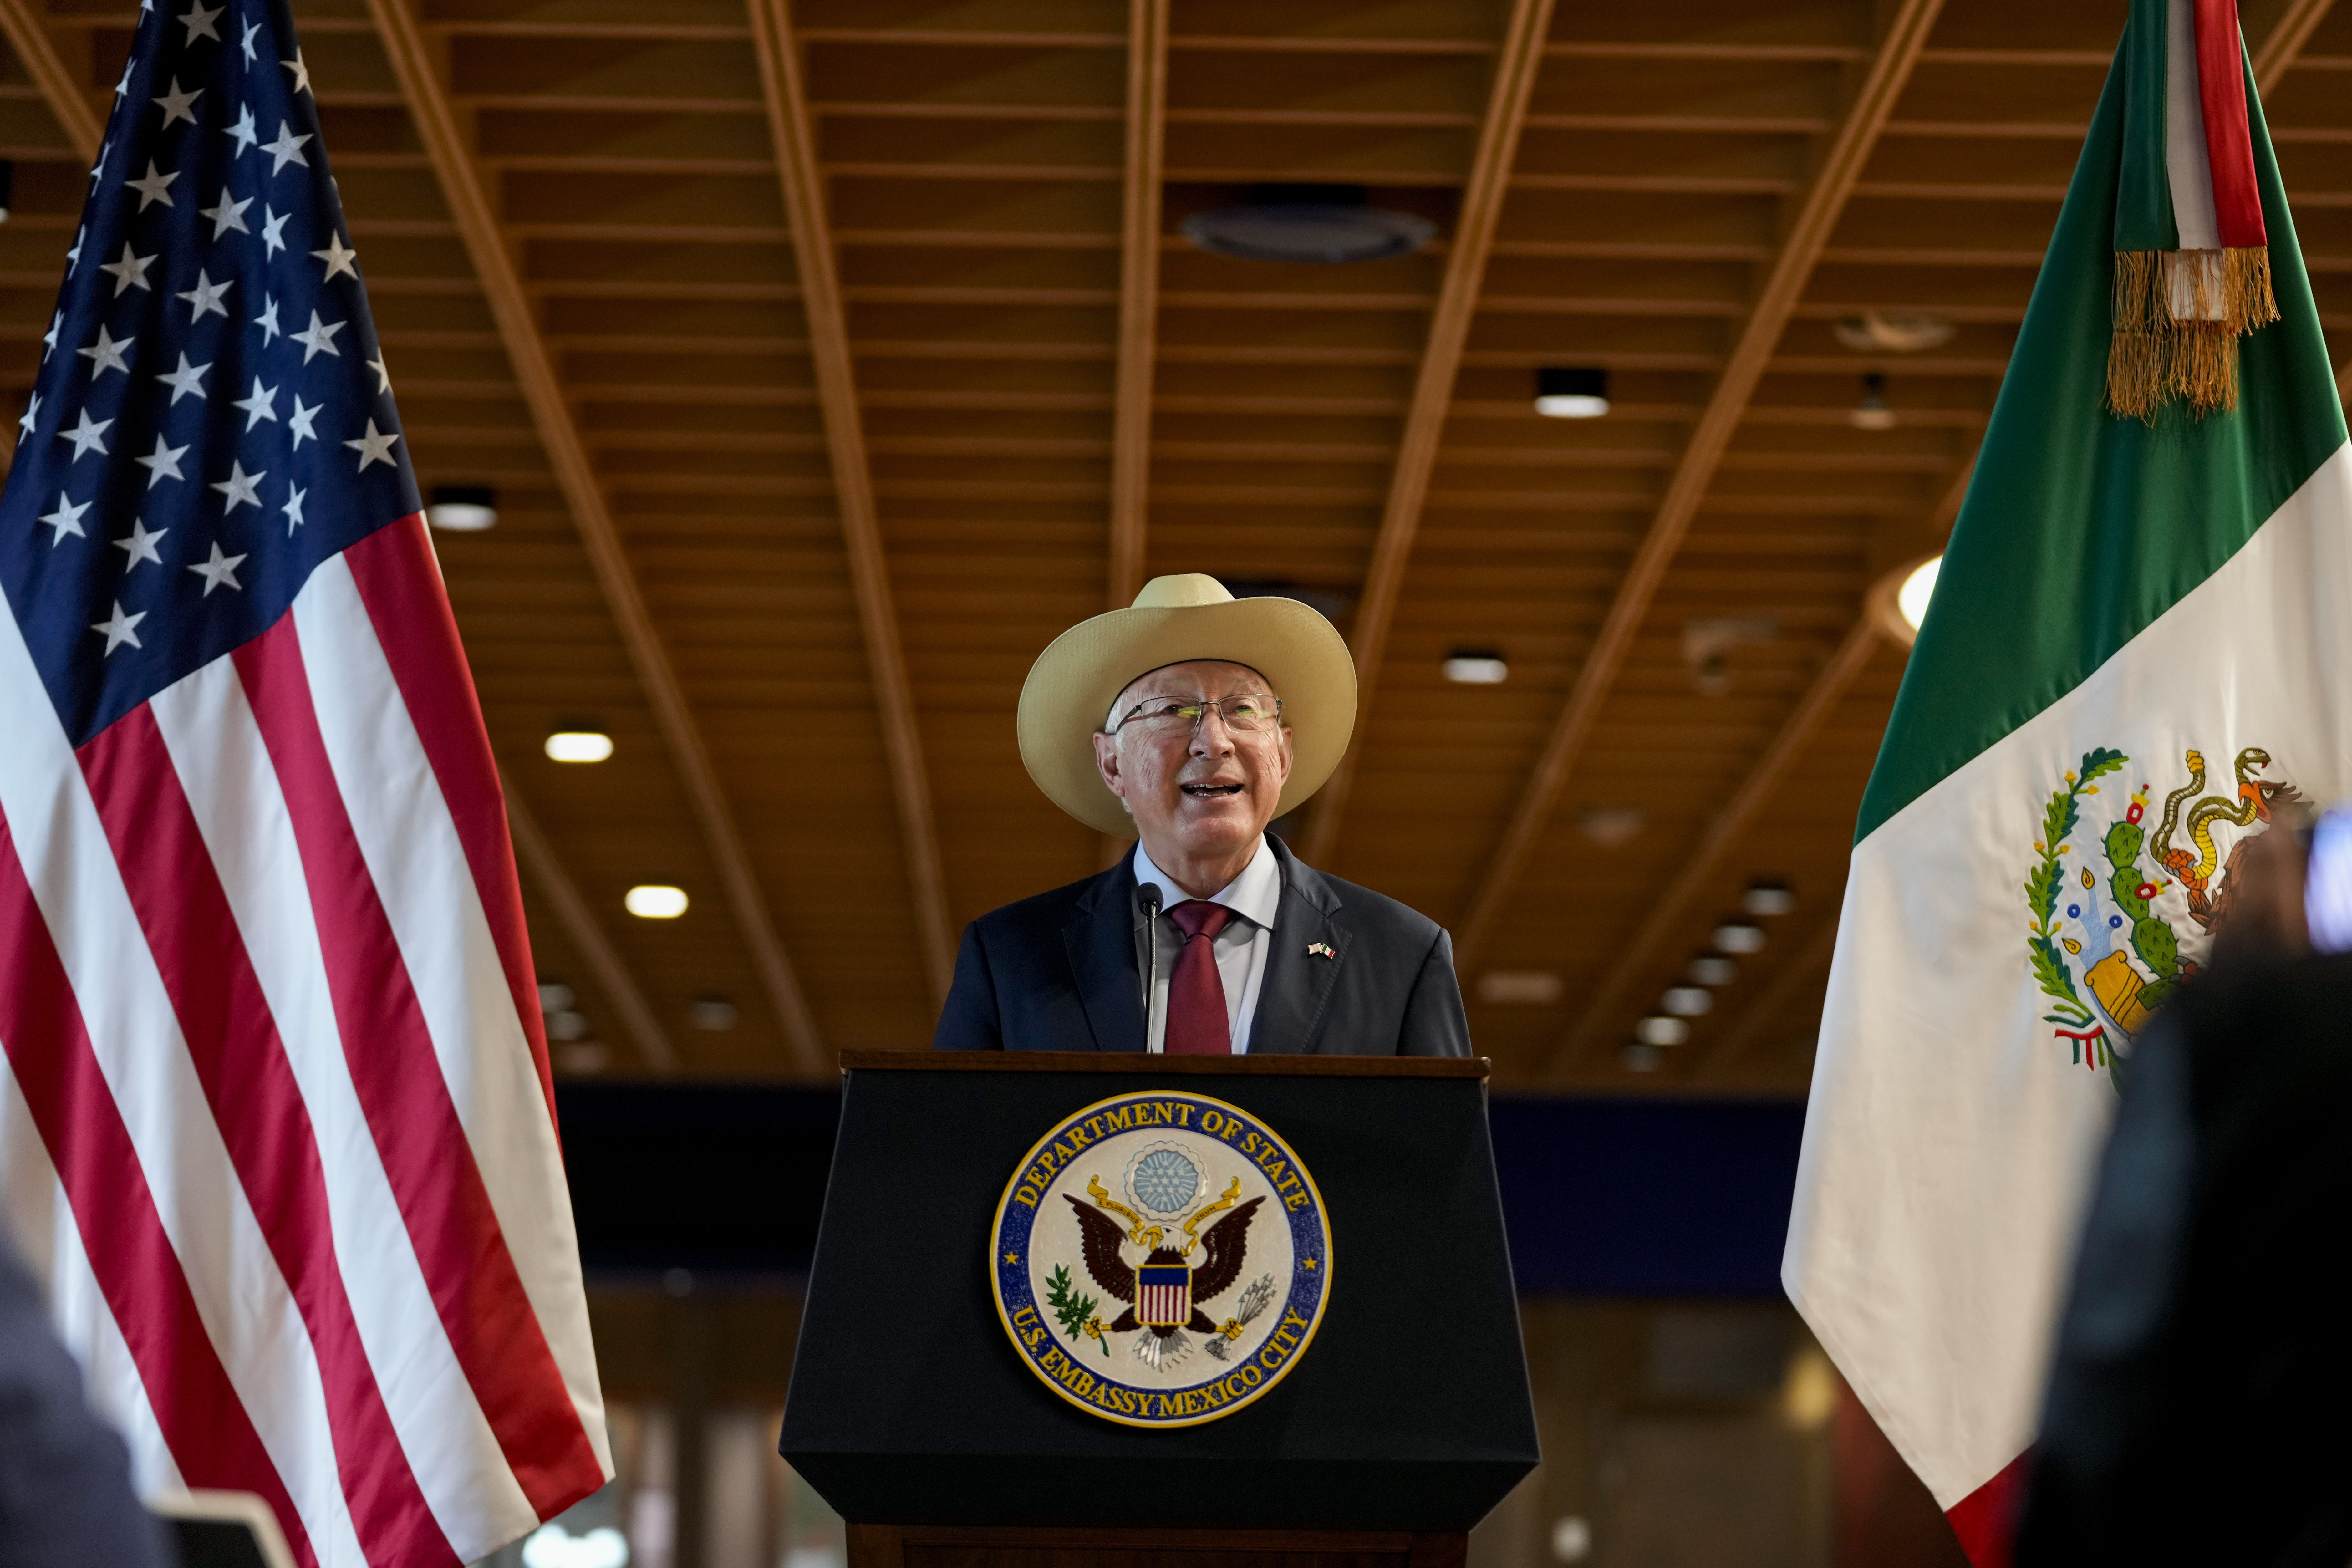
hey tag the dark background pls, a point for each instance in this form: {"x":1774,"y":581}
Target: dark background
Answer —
{"x":1601,"y":1196}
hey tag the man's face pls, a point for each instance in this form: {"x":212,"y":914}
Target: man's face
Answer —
{"x":1200,"y":790}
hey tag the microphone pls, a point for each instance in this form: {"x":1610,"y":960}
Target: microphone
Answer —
{"x":1147,"y":898}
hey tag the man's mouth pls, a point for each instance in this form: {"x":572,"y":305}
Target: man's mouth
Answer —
{"x":1211,"y":790}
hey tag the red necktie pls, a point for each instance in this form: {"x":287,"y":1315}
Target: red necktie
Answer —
{"x":1196,"y":993}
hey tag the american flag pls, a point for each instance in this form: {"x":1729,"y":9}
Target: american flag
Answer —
{"x":1163,"y":1296}
{"x":276,"y":1116}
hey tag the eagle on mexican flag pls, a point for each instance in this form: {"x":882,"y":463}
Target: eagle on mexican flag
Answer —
{"x":2139,"y":650}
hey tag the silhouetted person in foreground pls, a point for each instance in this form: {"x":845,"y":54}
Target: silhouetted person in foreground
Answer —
{"x":2201,"y":1400}
{"x":65,"y":1478}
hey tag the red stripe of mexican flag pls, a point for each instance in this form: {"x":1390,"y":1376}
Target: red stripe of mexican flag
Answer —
{"x":2140,"y":647}
{"x":2228,"y":143}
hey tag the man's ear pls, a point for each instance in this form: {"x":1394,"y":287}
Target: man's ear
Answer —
{"x":1107,"y":762}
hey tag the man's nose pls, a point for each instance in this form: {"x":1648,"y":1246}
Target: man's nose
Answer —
{"x":1205,"y":744}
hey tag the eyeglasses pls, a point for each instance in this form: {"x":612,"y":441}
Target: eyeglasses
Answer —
{"x":1246,"y":713}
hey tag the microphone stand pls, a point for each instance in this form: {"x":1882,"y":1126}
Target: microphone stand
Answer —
{"x":1147,"y":898}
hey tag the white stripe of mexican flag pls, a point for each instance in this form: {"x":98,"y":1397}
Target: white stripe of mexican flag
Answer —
{"x":2139,"y":642}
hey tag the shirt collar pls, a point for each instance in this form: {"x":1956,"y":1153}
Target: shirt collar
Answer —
{"x":1256,"y":895}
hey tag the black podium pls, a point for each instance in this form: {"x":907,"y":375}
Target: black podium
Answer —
{"x":1398,"y":1427}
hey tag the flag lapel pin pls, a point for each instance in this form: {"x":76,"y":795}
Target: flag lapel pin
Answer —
{"x":1320,"y":949}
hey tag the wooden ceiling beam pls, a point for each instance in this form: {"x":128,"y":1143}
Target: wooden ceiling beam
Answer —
{"x":1636,"y":961}
{"x":26,"y":24}
{"x":786,"y":97}
{"x":415,"y":64}
{"x":1143,"y":174}
{"x":608,"y":106}
{"x":541,"y":865}
{"x":959,"y":39}
{"x":2089,"y":60}
{"x":866,"y":109}
{"x":1482,"y":193}
{"x":1768,"y":53}
{"x":636,"y":32}
{"x":2287,"y":36}
{"x":2010,"y":129}
{"x":1882,"y":82}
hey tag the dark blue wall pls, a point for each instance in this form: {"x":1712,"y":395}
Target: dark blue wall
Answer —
{"x":1608,"y":1197}
{"x":1647,"y":1197}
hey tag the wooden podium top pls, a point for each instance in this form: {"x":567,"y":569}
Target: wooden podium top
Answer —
{"x":1180,"y":1065}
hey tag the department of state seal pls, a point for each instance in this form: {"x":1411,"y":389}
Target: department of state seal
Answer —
{"x":1161,"y":1259}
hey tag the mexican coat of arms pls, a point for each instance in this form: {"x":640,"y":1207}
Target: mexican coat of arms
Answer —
{"x":2119,"y":916}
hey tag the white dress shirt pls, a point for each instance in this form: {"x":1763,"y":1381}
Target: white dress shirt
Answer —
{"x":1240,"y":948}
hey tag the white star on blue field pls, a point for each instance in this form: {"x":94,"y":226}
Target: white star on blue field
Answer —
{"x":212,"y":417}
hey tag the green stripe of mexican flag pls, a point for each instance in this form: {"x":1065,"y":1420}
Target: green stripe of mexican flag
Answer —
{"x":2138,"y":647}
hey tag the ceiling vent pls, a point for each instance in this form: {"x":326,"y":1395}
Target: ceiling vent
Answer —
{"x":1327,"y":224}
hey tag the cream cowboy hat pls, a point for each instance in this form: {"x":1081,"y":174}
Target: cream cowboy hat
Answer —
{"x":1174,"y":620}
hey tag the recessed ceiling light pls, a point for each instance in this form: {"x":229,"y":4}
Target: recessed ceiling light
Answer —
{"x":1658,"y":1029}
{"x":1767,"y":899}
{"x":567,"y":1025}
{"x":1686,"y":1001}
{"x":555,"y":1547}
{"x":1738,"y":936}
{"x":1713,"y":969}
{"x":1639,"y":1058}
{"x":580,"y":746}
{"x":1611,"y":826}
{"x":712,"y":1013}
{"x":582,"y":1057}
{"x":1519,"y":987}
{"x":655,"y":901}
{"x":553,"y":996}
{"x":1571,"y":393}
{"x":462,"y":509}
{"x":1476,"y":667}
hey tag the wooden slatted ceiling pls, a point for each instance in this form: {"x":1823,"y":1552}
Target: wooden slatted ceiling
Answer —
{"x":1695,"y":472}
{"x":426,"y":94}
{"x":976,"y":162}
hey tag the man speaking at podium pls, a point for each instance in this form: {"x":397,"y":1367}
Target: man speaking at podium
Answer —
{"x":1188,"y":722}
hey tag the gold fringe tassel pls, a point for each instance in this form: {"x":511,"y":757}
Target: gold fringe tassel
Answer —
{"x":2177,"y":317}
{"x":2139,"y":354}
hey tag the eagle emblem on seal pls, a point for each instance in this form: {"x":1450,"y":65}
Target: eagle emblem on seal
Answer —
{"x":1164,"y":1292}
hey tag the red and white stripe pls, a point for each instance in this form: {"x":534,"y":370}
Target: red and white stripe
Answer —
{"x":2208,"y":150}
{"x":1163,"y":1304}
{"x":276,"y":1114}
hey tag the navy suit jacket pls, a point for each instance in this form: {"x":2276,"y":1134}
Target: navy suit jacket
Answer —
{"x":1059,"y":972}
{"x":65,"y":1478}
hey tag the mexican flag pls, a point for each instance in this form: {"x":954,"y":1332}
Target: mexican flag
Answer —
{"x":2139,"y":648}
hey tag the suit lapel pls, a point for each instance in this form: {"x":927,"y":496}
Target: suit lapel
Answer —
{"x":1297,"y":987}
{"x":1100,"y":937}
